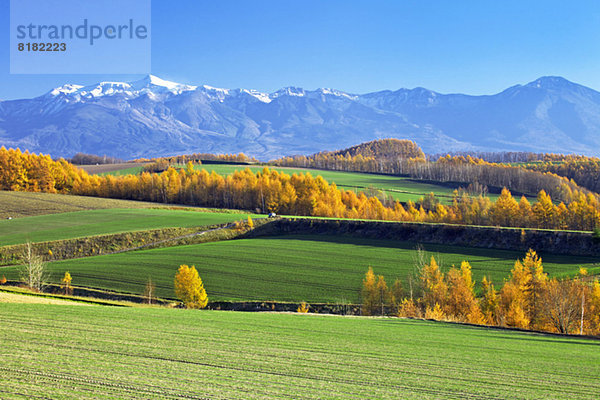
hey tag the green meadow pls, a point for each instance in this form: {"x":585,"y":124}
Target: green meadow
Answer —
{"x":106,"y":221}
{"x":67,"y":352}
{"x":288,"y":268}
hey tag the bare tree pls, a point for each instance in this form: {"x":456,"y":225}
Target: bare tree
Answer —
{"x":33,"y":272}
{"x":561,"y":305}
{"x":149,"y":291}
{"x":420,"y":259}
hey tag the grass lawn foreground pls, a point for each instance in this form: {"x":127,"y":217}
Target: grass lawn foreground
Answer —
{"x":64,"y":352}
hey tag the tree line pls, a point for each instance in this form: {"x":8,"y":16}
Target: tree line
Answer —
{"x":528,"y":299}
{"x":298,"y":194}
{"x":198,"y":157}
{"x":458,"y":169}
{"x":583,"y":170}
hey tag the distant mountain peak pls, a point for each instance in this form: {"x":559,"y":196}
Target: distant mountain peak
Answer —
{"x":289,"y":91}
{"x":550,"y":82}
{"x":150,"y":81}
{"x":65,"y":89}
{"x":155,"y":117}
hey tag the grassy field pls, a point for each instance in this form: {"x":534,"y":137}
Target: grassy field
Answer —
{"x":64,"y":352}
{"x":19,"y":298}
{"x":25,"y":204}
{"x":288,"y":268}
{"x":99,"y":222}
{"x":114,"y":169}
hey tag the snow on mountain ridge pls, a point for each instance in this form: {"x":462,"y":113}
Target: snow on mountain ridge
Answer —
{"x":152,"y":117}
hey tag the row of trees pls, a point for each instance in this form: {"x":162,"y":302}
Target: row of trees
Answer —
{"x":583,"y":170}
{"x":303,"y":194}
{"x":457,"y":169}
{"x":92,"y":159}
{"x":298,"y":194}
{"x":529,"y":299}
{"x":198,"y":157}
{"x":28,"y":172}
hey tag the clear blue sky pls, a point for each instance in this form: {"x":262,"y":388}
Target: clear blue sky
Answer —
{"x":474,"y":47}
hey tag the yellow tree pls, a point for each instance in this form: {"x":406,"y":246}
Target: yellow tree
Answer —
{"x":369,"y":293}
{"x":189,"y":288}
{"x":525,"y":213}
{"x":505,"y":210}
{"x":66,"y":283}
{"x":461,"y":302}
{"x":537,"y":281}
{"x":594,"y":309}
{"x":544,"y":211}
{"x":513,"y":299}
{"x":561,"y":305}
{"x":435,"y":288}
{"x":521,"y":295}
{"x":489,"y":302}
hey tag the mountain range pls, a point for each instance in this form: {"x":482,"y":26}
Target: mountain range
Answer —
{"x":154,"y":117}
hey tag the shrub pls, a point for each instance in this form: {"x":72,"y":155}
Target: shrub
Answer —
{"x":303,"y":308}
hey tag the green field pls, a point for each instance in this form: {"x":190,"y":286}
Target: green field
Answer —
{"x":100,"y":222}
{"x":287,"y":268}
{"x":65,"y":352}
{"x":125,"y":171}
{"x":25,"y":204}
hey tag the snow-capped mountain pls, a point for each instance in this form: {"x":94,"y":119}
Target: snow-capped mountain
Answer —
{"x":154,"y":117}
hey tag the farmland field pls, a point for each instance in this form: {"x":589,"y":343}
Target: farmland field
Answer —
{"x":288,"y":268}
{"x":25,"y":204}
{"x":99,"y":222}
{"x":114,"y":169}
{"x":60,"y":352}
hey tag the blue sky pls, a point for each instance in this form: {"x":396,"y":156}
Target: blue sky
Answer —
{"x":474,"y":47}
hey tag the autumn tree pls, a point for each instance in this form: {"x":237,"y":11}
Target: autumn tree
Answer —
{"x":369,"y":293}
{"x":520,"y":296}
{"x":513,"y":298}
{"x":384,"y":296}
{"x":593,"y":306}
{"x":505,"y":210}
{"x":560,"y":304}
{"x":544,"y":211}
{"x":66,"y":283}
{"x":536,"y":285}
{"x":189,"y":288}
{"x":396,"y":293}
{"x":435,"y":289}
{"x":489,"y":302}
{"x":460,"y":301}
